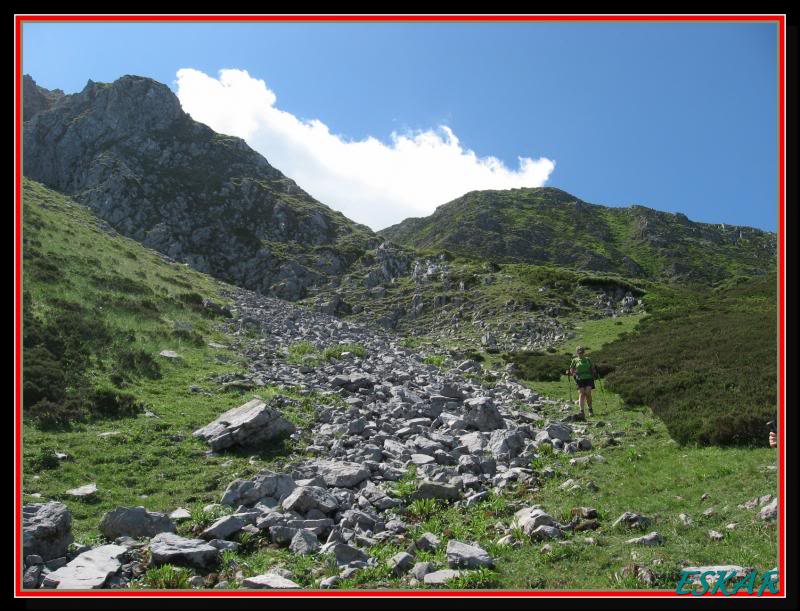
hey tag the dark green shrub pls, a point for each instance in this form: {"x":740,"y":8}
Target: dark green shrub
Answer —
{"x":107,"y":403}
{"x":43,"y":378}
{"x":49,"y":415}
{"x":705,"y":363}
{"x":131,"y":364}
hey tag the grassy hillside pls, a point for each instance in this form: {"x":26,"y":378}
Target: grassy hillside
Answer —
{"x":98,"y":310}
{"x":547,"y":225}
{"x":706,"y":362}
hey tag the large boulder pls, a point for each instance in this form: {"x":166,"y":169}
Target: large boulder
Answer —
{"x":247,"y":425}
{"x":46,"y":530}
{"x":88,"y":571}
{"x":169,"y":548}
{"x":482,"y":414}
{"x":134,"y":522}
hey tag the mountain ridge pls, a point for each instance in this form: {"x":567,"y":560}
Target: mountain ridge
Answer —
{"x":546,"y":225}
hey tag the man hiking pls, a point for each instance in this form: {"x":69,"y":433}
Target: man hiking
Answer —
{"x":583,"y":370}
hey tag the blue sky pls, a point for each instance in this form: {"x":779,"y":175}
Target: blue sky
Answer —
{"x":678,"y":117}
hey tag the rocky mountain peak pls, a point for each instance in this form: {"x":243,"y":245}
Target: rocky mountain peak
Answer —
{"x":128,"y":150}
{"x":35,"y":99}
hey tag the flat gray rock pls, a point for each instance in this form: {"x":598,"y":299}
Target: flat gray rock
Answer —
{"x":269,"y":581}
{"x":223,"y":528}
{"x":46,"y":530}
{"x":438,"y":578}
{"x":652,"y":538}
{"x":134,"y":522}
{"x":88,"y":571}
{"x":461,"y":555}
{"x":341,"y":474}
{"x":180,"y":514}
{"x":174,"y":549}
{"x":83,"y":491}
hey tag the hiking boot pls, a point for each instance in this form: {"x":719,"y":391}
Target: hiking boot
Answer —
{"x":591,"y":413}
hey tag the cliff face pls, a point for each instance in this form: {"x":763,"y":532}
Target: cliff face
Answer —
{"x":128,"y":151}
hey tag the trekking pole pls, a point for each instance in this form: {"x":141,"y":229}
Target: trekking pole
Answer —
{"x":569,"y":386}
{"x":602,"y":388}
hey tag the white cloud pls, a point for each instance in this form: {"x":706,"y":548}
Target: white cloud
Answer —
{"x":369,"y":181}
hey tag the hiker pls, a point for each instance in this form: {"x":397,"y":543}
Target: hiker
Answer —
{"x":583,"y":370}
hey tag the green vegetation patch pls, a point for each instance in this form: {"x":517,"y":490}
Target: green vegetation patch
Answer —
{"x":705,"y":362}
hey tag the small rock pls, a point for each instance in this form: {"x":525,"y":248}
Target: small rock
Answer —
{"x":269,"y":581}
{"x":438,"y":578}
{"x":652,"y":538}
{"x":83,"y":491}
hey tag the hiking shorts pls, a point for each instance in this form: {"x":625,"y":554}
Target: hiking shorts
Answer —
{"x":585,"y":383}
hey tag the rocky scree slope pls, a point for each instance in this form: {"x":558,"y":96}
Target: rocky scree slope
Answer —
{"x":406,"y":432}
{"x":547,"y":225}
{"x":128,"y":151}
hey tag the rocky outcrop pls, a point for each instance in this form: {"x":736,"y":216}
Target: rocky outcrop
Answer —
{"x":127,"y":150}
{"x":46,"y":530}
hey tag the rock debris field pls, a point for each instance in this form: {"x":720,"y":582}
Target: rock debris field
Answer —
{"x":458,"y":439}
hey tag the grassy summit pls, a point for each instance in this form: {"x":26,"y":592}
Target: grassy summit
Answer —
{"x":547,"y":225}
